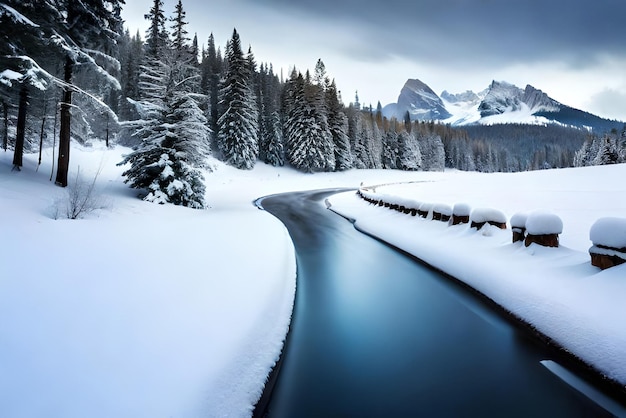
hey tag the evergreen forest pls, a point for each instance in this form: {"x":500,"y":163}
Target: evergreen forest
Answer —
{"x":70,"y":71}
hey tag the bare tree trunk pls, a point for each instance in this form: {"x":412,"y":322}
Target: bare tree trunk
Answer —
{"x":21,"y":128}
{"x":43,"y":125}
{"x":64,"y":131}
{"x":5,"y":139}
{"x":107,"y":131}
{"x":54,"y":135}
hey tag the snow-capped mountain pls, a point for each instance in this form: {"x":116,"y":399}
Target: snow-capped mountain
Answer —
{"x":419,"y":100}
{"x":500,"y":103}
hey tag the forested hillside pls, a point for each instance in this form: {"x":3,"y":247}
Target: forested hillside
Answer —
{"x":70,"y":71}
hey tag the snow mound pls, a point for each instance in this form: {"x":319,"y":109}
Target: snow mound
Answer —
{"x":543,"y":223}
{"x":480,"y":215}
{"x":443,"y":209}
{"x":461,"y":209}
{"x":518,"y":220}
{"x":609,"y":232}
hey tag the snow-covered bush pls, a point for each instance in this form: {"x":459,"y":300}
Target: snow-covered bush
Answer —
{"x":482,"y":216}
{"x":80,"y":198}
{"x":518,"y":225}
{"x":543,"y":228}
{"x":608,"y":236}
{"x":461,"y":213}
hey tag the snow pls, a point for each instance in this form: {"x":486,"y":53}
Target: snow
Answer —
{"x":461,"y":209}
{"x":518,"y":220}
{"x":142,"y":309}
{"x":609,"y":231}
{"x":480,"y":215}
{"x":543,"y":223}
{"x":555,"y":289}
{"x":157,"y":310}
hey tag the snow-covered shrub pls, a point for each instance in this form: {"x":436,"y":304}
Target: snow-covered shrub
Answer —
{"x":543,"y":228}
{"x":518,"y":225}
{"x":481,"y":216}
{"x":461,"y":213}
{"x":442,"y":212}
{"x":608,"y":236}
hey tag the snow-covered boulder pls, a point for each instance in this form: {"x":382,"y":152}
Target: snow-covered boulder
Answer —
{"x":608,"y":236}
{"x":481,"y":216}
{"x":442,"y":212}
{"x":461,"y":213}
{"x":543,"y":228}
{"x":518,"y":225}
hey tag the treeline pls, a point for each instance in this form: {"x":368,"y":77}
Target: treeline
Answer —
{"x":176,"y":104}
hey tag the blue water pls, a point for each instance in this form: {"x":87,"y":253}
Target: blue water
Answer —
{"x":376,"y":334}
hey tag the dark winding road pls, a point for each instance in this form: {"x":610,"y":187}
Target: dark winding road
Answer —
{"x":377,"y":334}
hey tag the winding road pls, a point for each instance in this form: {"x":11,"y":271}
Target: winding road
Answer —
{"x":377,"y":334}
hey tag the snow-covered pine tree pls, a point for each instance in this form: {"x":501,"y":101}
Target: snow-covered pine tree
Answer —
{"x":238,"y":124}
{"x":355,"y":133}
{"x":168,"y":163}
{"x":211,"y":69}
{"x":89,"y":29}
{"x":391,"y":148}
{"x":608,"y":152}
{"x":338,"y":126}
{"x":173,"y":130}
{"x":409,"y":153}
{"x":271,"y":149}
{"x":309,"y":142}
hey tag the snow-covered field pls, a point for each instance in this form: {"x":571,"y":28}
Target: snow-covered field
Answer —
{"x":147,"y":310}
{"x":555,"y":289}
{"x":141,"y":309}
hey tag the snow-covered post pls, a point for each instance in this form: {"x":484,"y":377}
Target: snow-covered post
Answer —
{"x":608,"y":236}
{"x":481,"y":216}
{"x":442,"y":212}
{"x":543,"y":228}
{"x":518,"y":225}
{"x":461,"y":213}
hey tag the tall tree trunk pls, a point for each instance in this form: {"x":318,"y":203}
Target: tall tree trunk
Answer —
{"x":54,"y":135}
{"x":5,"y":115}
{"x":43,"y":126}
{"x":64,"y":131}
{"x":21,"y":128}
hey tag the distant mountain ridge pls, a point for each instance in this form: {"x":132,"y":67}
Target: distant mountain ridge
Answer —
{"x":501,"y":102}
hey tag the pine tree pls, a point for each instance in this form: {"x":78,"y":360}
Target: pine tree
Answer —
{"x":88,"y":27}
{"x":238,"y":124}
{"x":309,"y":141}
{"x":338,"y":126}
{"x":409,"y":153}
{"x":173,"y":151}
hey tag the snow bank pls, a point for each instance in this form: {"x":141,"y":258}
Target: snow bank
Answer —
{"x":557,"y":290}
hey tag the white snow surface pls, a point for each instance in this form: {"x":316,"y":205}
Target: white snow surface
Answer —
{"x":555,"y":289}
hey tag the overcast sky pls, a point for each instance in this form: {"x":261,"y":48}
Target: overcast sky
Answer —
{"x":574,"y":50}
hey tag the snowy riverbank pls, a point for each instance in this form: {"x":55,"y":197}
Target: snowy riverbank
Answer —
{"x":555,"y":289}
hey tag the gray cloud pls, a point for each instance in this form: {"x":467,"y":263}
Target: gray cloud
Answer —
{"x":609,"y":102}
{"x":477,"y":32}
